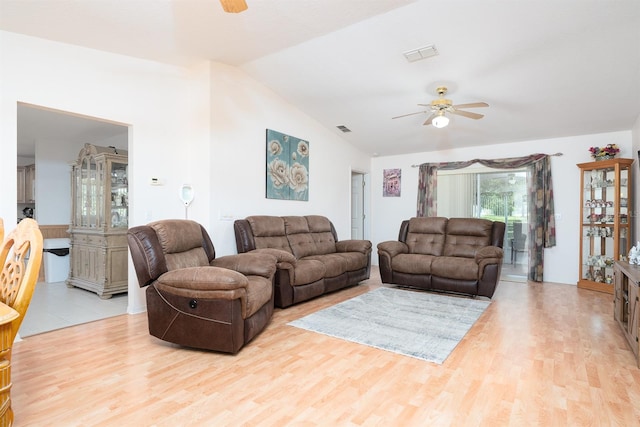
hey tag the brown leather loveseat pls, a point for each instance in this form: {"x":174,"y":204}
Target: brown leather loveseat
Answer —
{"x":311,"y":260}
{"x":461,"y":255}
{"x":195,"y":299}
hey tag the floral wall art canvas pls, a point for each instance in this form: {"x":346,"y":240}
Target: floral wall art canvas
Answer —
{"x":287,"y":167}
{"x":391,"y":180}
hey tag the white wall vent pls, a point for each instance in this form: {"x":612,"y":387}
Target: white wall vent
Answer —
{"x":421,"y":53}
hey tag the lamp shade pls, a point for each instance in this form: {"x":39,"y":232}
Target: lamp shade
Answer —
{"x":440,"y":121}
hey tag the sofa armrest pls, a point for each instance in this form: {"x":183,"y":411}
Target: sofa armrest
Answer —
{"x":204,"y":279}
{"x":362,"y":246}
{"x":279,"y":254}
{"x":254,"y":264}
{"x":489,"y":255}
{"x":489,"y":252}
{"x":393,"y":248}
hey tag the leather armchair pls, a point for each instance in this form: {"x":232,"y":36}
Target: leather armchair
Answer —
{"x":195,"y":299}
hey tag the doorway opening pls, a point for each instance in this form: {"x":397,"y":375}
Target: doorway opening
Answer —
{"x":50,"y":140}
{"x":497,"y":195}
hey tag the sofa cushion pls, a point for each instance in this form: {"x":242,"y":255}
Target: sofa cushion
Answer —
{"x":307,"y":271}
{"x":195,"y":257}
{"x":334,"y":264}
{"x":459,"y":268}
{"x":355,"y":260}
{"x":177,"y":235}
{"x":181,"y":242}
{"x":259,"y":293}
{"x":269,"y":232}
{"x":412,"y":263}
{"x":426,"y":236}
{"x":466,"y":235}
{"x":297,"y":233}
{"x":320,"y":227}
{"x":205,"y":283}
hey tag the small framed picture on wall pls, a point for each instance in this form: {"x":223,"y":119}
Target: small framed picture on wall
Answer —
{"x":391,"y":182}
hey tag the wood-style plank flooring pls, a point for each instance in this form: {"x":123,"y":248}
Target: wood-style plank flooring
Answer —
{"x":541,"y":355}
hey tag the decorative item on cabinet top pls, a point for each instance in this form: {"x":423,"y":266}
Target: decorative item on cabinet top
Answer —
{"x":604,"y":153}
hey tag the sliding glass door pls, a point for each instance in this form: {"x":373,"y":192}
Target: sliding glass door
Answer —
{"x":495,"y":195}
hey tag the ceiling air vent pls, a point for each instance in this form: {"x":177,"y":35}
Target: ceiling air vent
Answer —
{"x":421,"y":53}
{"x":343,"y":128}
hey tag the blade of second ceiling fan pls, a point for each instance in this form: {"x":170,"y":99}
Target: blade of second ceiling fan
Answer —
{"x":472,"y":105}
{"x":429,"y":120}
{"x":468,"y":114}
{"x":410,"y":114}
{"x":234,"y":6}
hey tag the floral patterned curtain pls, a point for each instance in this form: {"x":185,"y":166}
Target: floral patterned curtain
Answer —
{"x":542,"y":227}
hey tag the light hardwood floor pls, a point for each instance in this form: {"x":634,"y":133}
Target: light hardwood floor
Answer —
{"x":541,"y":355}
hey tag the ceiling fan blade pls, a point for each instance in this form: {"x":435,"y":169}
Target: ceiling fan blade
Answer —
{"x":410,"y":114}
{"x":468,"y":114}
{"x":233,"y":6}
{"x":472,"y":105}
{"x":429,"y":120}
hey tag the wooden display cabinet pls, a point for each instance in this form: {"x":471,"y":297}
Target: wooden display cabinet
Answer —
{"x":99,"y":194}
{"x":627,"y":303}
{"x":605,"y":216}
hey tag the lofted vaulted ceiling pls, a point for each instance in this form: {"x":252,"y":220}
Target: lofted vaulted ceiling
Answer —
{"x":546,"y":68}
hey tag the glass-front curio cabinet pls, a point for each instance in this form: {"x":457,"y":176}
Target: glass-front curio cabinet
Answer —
{"x":99,"y":221}
{"x":605,"y":220}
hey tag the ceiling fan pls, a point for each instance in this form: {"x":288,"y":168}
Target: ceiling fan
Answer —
{"x":440,"y":106}
{"x":234,"y":6}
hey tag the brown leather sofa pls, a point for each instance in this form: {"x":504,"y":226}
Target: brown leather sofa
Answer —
{"x":311,"y":260}
{"x":195,"y":299}
{"x":461,"y":255}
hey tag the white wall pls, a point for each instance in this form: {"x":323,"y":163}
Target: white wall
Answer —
{"x":205,"y":126}
{"x":561,"y":262}
{"x":154,"y":99}
{"x":242,"y":110}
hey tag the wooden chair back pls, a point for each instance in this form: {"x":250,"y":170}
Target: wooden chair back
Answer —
{"x":20,"y":258}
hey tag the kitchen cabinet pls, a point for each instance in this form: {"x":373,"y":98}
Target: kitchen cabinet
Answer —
{"x":26,"y":180}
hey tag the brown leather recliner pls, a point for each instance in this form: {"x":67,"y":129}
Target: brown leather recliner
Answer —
{"x":194,"y":299}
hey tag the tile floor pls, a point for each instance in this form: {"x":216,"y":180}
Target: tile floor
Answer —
{"x":55,"y":306}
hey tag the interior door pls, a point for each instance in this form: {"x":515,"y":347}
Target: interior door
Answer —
{"x":357,"y":205}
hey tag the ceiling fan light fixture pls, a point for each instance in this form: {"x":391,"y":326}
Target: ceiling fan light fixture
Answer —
{"x":440,"y":120}
{"x":234,"y":6}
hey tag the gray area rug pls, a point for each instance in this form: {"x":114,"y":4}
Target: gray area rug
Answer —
{"x":418,"y":324}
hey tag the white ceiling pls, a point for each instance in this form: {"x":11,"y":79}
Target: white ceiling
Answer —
{"x":547,"y":68}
